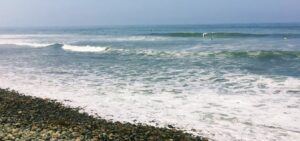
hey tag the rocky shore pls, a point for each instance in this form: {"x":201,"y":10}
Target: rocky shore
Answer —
{"x":29,"y":118}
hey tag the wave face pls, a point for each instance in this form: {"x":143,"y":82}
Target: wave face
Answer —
{"x":225,"y":35}
{"x":242,"y":85}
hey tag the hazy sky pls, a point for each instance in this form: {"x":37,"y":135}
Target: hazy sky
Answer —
{"x":143,"y":12}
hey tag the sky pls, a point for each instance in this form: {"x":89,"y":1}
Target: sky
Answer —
{"x":145,"y":12}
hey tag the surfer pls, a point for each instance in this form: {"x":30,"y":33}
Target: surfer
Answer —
{"x":211,"y":36}
{"x":204,"y":34}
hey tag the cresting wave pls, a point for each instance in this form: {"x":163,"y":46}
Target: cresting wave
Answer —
{"x":27,"y":44}
{"x":84,"y":48}
{"x":65,"y":47}
{"x":225,"y":35}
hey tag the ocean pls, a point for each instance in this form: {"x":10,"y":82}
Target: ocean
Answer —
{"x":225,"y":82}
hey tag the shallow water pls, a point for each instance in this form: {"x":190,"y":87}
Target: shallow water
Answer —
{"x":226,"y":82}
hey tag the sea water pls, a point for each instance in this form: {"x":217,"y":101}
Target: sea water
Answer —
{"x":225,"y":82}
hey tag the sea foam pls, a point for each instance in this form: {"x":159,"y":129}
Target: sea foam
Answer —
{"x":26,"y":43}
{"x":203,"y":111}
{"x":84,"y":48}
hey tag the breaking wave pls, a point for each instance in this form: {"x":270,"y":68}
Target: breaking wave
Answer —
{"x":178,"y":54}
{"x":27,"y":44}
{"x":84,"y":48}
{"x":65,"y":47}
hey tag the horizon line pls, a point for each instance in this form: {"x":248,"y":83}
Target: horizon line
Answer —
{"x":124,"y":25}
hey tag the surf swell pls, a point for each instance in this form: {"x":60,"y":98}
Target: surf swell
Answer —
{"x":256,"y":54}
{"x":225,"y":35}
{"x":222,"y":54}
{"x":157,"y":53}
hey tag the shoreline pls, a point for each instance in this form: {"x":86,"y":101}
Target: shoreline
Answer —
{"x":25,"y":118}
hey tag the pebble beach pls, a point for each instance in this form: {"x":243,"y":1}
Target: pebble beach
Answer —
{"x":29,"y":118}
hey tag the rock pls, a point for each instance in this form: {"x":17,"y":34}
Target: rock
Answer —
{"x":76,"y":134}
{"x":33,"y":127}
{"x":15,"y":131}
{"x":95,"y":138}
{"x":56,"y":135}
{"x":111,"y":136}
{"x":170,"y":126}
{"x":10,"y":137}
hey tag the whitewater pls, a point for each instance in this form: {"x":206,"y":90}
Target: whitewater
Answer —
{"x":224,"y":82}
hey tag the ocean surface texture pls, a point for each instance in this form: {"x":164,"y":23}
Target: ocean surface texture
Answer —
{"x":225,"y":82}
